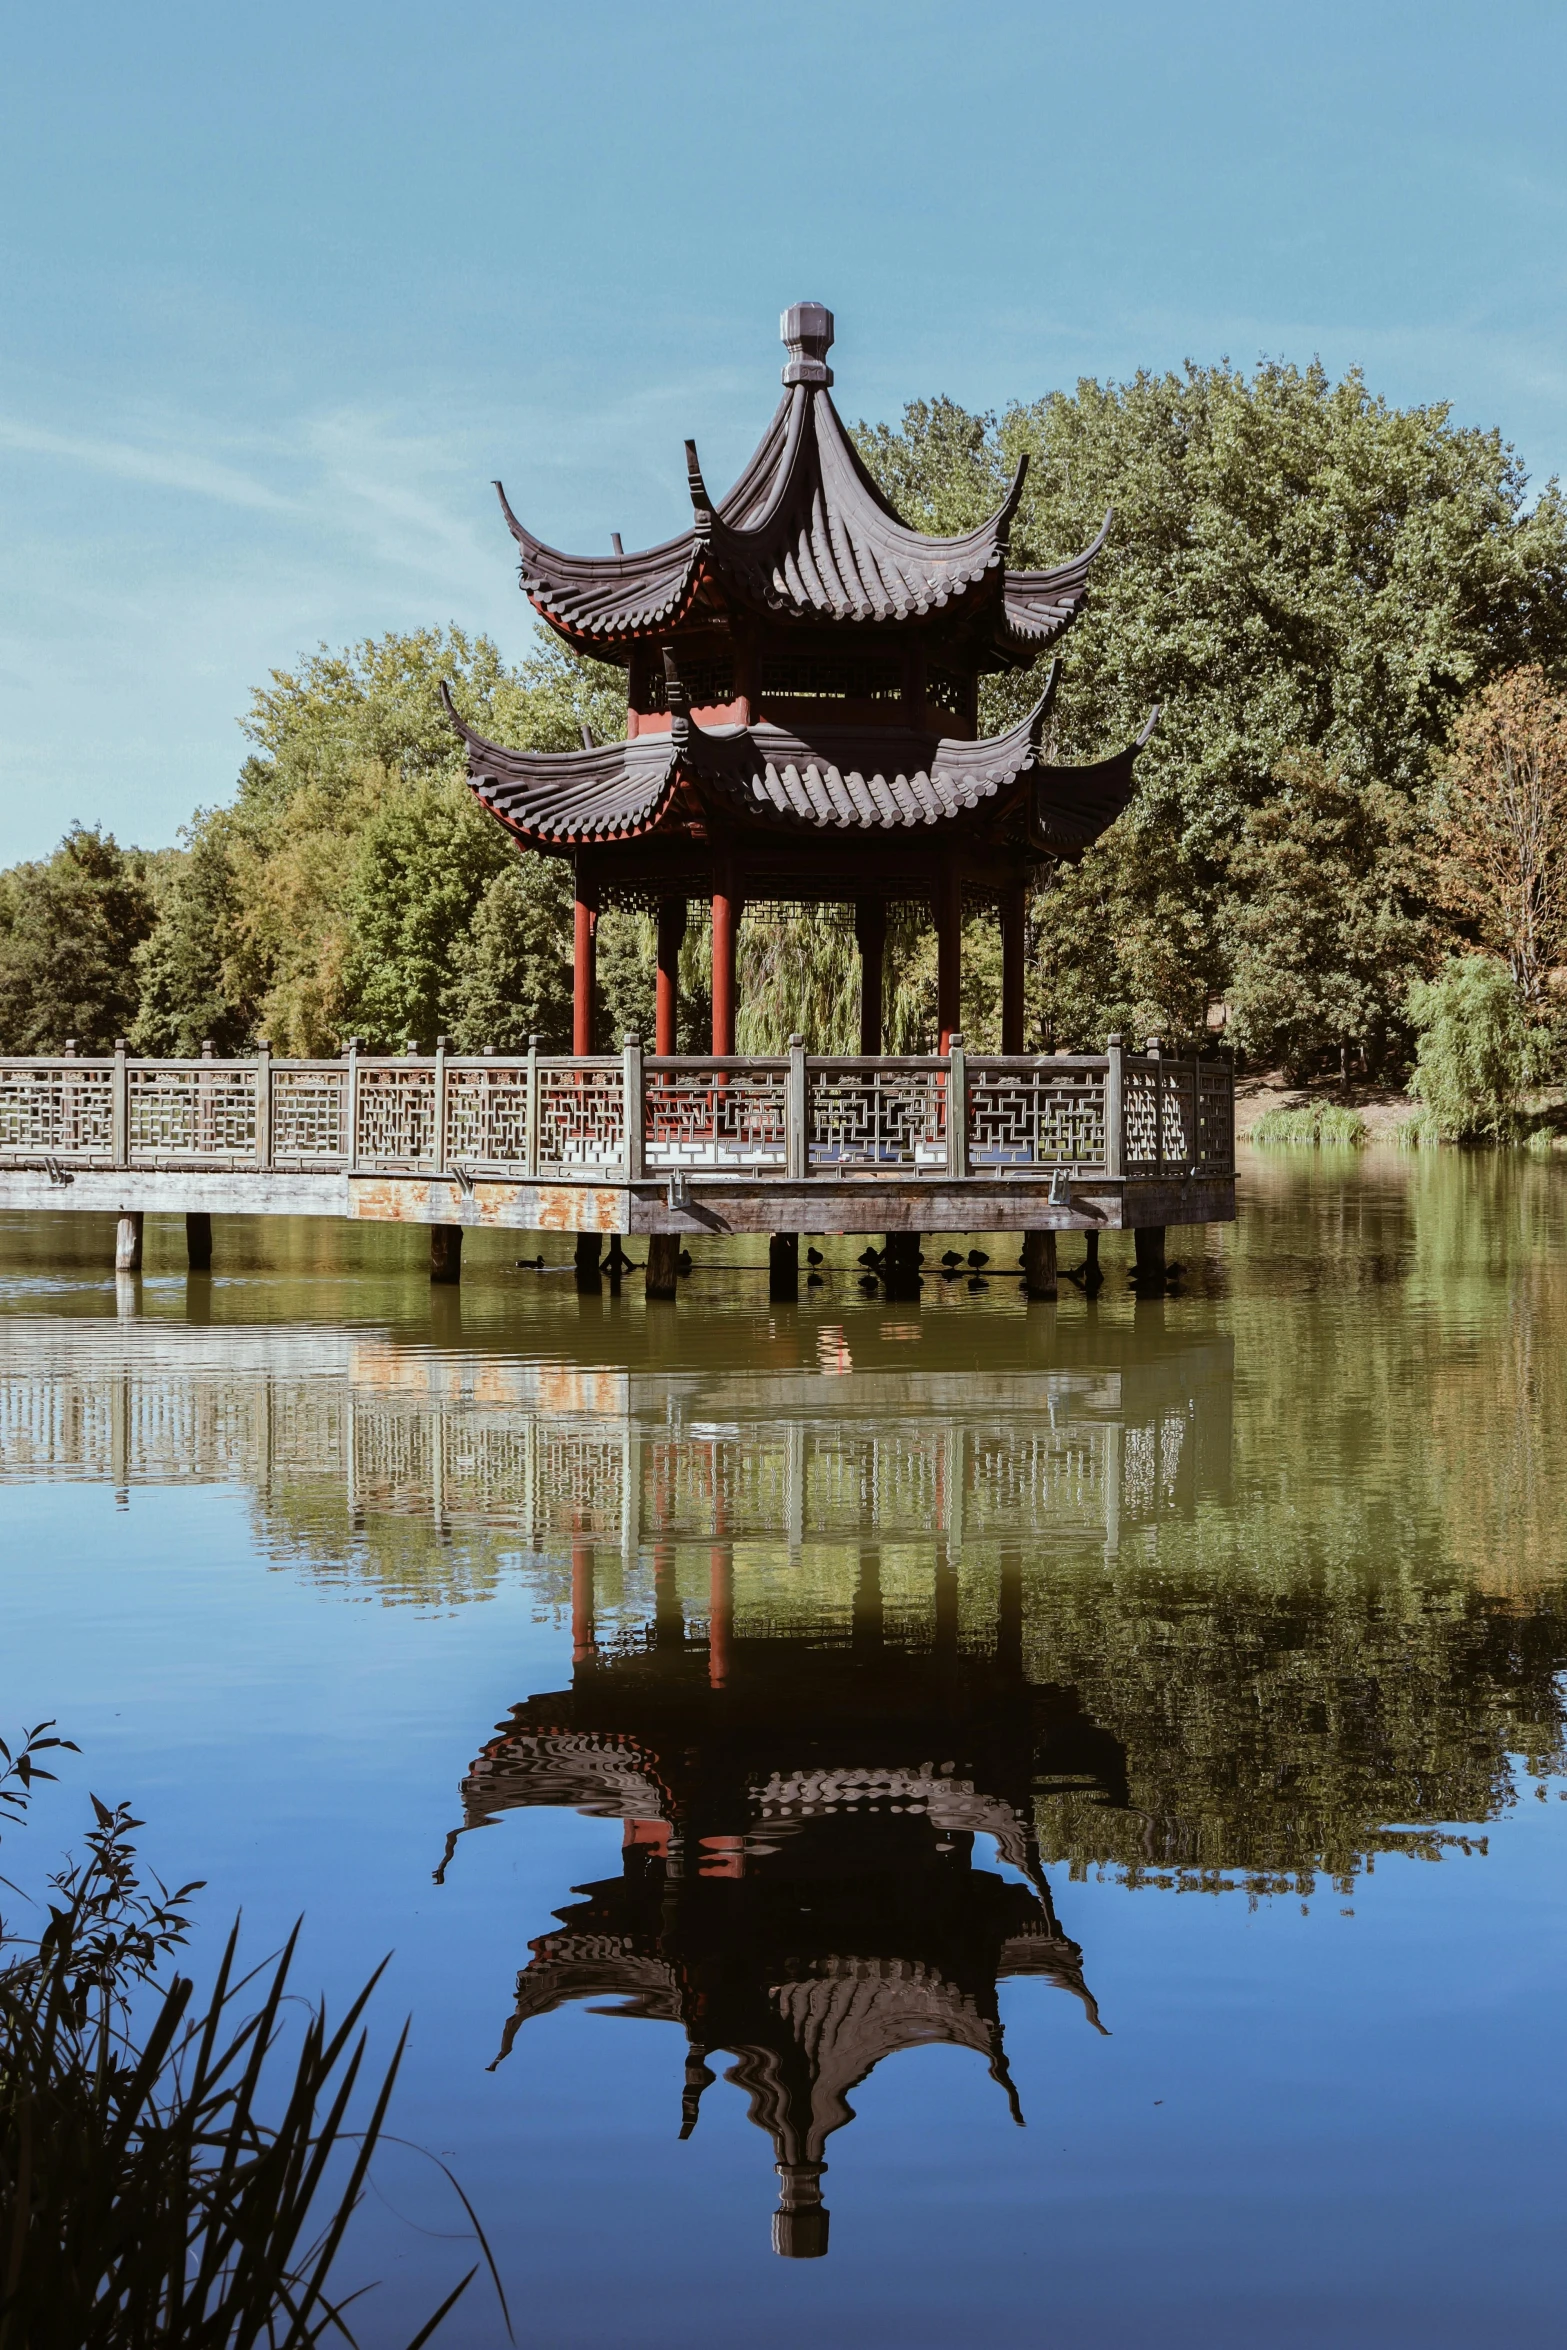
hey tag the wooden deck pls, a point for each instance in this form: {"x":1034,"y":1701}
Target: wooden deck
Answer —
{"x":630,"y":1143}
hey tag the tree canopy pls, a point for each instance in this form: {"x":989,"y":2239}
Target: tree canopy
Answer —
{"x":1353,"y":618}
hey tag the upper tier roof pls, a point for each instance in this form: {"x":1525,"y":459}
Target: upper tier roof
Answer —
{"x":806,"y":534}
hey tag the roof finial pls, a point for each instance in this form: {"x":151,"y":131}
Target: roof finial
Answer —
{"x":806,"y":328}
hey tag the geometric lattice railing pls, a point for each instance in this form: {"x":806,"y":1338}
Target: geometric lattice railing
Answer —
{"x":622,"y":1117}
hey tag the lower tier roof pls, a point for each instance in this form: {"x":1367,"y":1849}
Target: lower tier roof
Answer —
{"x":776,"y":780}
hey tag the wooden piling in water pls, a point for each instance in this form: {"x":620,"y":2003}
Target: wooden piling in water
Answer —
{"x":589,"y":1246}
{"x":1149,"y":1242}
{"x":198,"y":1240}
{"x":127,"y":1243}
{"x":446,"y":1253}
{"x":900,"y":1264}
{"x":663,"y":1264}
{"x":1039,"y":1264}
{"x":783,"y":1267}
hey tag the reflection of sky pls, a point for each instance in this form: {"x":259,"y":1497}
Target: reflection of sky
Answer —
{"x":1358,"y":2119}
{"x":1302,"y":2128}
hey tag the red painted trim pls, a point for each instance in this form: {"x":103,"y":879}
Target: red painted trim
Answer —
{"x":726,"y":926}
{"x":949,"y":955}
{"x":1012,"y":904}
{"x":584,"y":942}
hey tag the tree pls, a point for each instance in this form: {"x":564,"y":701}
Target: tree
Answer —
{"x":1327,"y":934}
{"x":1502,"y":824}
{"x":183,"y":994}
{"x":511,"y":969}
{"x":331,"y":895}
{"x":426,"y":857}
{"x":70,"y":926}
{"x":1294,"y":566}
{"x":1479,"y":1052}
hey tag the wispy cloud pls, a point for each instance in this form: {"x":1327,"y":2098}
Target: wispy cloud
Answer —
{"x":168,"y":469}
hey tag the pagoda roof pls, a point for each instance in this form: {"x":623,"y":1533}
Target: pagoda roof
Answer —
{"x":815,"y":776}
{"x":805,"y":534}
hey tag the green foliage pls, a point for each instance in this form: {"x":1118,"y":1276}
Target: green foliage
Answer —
{"x":1294,"y":566}
{"x":511,"y":968}
{"x":1478,"y":1052}
{"x":340,"y":891}
{"x":183,"y":996}
{"x":1326,"y":931}
{"x":425,"y":860}
{"x":1313,"y":1126}
{"x":145,"y":2195}
{"x":70,"y":926}
{"x":1309,"y":582}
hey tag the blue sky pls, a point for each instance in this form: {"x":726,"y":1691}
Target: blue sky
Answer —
{"x":284,"y":288}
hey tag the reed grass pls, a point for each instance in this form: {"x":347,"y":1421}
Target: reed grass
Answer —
{"x":1313,"y":1126}
{"x":169,"y":2173}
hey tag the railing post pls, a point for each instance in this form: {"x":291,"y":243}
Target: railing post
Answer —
{"x":635,"y":1105}
{"x":530,"y":1110}
{"x":957,"y":1106}
{"x":1115,"y":1108}
{"x":1155,"y":1055}
{"x":797,"y":1129}
{"x":263,"y":1102}
{"x":439,"y":1136}
{"x":351,"y":1107}
{"x":1229,"y":1109}
{"x":1194,"y":1138}
{"x":120,"y":1109}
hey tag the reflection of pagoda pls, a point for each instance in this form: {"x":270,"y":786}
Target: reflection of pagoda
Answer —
{"x":797,"y":1883}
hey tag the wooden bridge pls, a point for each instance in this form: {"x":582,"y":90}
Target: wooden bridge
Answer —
{"x":665,"y":1146}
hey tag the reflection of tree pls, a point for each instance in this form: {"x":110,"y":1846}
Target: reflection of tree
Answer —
{"x":1272,"y":1733}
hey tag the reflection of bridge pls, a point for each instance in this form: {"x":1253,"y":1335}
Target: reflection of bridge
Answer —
{"x":797,"y":1884}
{"x":548,"y":1454}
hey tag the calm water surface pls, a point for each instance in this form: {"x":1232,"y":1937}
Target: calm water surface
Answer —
{"x":788,"y":1748}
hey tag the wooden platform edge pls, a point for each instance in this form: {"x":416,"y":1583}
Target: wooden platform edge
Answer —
{"x":820,"y":1205}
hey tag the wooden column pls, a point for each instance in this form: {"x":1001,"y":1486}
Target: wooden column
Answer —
{"x":589,"y":1248}
{"x":870,"y":931}
{"x":662,"y":1264}
{"x":783,"y":1267}
{"x":1039,"y":1264}
{"x":1148,"y":1242}
{"x":949,"y":955}
{"x":446,"y":1253}
{"x":1012,"y":904}
{"x":671,"y":931}
{"x":900,"y":1264}
{"x":727,"y":903}
{"x":127,"y":1243}
{"x":198,"y":1240}
{"x":584,"y":941}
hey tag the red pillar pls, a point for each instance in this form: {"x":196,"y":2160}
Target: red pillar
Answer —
{"x":949,"y":955}
{"x":726,"y":926}
{"x":720,"y":1583}
{"x":582,"y":1641}
{"x":583,"y":940}
{"x":720,"y":1612}
{"x":671,"y":930}
{"x":870,"y":931}
{"x":1012,"y":969}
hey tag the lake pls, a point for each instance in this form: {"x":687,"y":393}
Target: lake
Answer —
{"x":787,"y":1748}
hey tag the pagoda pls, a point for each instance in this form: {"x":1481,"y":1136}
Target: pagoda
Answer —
{"x":797,"y":1883}
{"x":802,"y":717}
